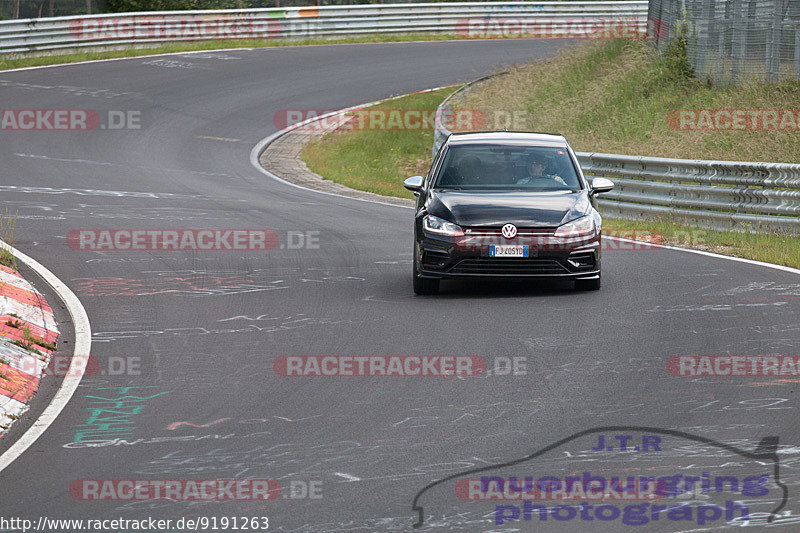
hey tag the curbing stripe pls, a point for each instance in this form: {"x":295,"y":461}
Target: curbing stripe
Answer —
{"x":262,"y":145}
{"x":18,"y":385}
{"x":21,"y":360}
{"x":83,"y":344}
{"x":49,"y":335}
{"x":31,"y":313}
{"x":25,"y":296}
{"x":16,"y":334}
{"x":7,"y":404}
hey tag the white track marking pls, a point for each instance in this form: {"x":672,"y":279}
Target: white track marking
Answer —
{"x":279,"y":47}
{"x":720,"y":256}
{"x":124,"y":58}
{"x":348,"y":477}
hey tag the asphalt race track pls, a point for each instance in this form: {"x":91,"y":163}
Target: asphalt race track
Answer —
{"x":352,"y":453}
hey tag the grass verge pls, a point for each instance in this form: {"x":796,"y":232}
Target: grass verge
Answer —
{"x":378,"y":161}
{"x":7,"y":224}
{"x":622,"y":97}
{"x":11,"y":61}
{"x":771,"y":247}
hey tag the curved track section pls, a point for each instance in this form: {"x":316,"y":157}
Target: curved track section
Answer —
{"x":197,"y":333}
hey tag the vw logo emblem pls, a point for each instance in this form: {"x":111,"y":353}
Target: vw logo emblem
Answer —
{"x":509,"y":231}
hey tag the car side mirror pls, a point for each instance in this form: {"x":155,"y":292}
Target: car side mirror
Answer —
{"x":413,"y":184}
{"x":601,"y":185}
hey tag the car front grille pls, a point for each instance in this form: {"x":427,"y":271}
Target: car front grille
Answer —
{"x":521,"y":232}
{"x":486,"y":265}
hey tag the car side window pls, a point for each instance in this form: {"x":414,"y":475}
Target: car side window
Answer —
{"x":432,"y":172}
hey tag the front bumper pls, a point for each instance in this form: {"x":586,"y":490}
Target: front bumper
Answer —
{"x":468,"y":257}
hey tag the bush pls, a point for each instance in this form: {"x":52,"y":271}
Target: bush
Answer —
{"x":675,"y":57}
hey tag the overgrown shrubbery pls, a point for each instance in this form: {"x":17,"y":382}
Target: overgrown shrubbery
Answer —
{"x":25,"y":9}
{"x":677,"y":62}
{"x":116,"y":6}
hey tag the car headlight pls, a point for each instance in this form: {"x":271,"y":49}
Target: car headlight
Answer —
{"x":580,"y":227}
{"x":441,"y":226}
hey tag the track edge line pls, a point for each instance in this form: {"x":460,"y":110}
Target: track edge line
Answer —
{"x":77,"y":368}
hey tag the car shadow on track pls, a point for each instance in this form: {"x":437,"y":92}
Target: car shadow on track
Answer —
{"x":505,"y":288}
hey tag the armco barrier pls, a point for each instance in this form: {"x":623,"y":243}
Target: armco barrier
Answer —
{"x":723,"y":195}
{"x":736,"y":195}
{"x":150,"y":28}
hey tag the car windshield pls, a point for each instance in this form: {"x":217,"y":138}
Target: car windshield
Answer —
{"x":507,"y":167}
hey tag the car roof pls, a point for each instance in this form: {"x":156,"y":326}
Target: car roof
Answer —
{"x":508,"y":138}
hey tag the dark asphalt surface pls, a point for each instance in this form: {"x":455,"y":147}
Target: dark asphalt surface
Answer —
{"x":205,"y":327}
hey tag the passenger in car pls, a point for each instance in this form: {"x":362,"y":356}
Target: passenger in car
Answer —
{"x":466,"y":170}
{"x":540,"y":173}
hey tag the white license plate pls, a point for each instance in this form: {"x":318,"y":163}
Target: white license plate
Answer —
{"x":508,"y":250}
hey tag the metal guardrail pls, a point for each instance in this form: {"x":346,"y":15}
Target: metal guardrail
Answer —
{"x":149,"y":28}
{"x":744,"y":196}
{"x":444,"y":114}
{"x":721,"y":195}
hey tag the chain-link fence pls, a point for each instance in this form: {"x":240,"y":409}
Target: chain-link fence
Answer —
{"x":31,"y":9}
{"x":734,"y":40}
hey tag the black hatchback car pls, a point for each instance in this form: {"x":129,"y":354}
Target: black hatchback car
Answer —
{"x":506,"y":205}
